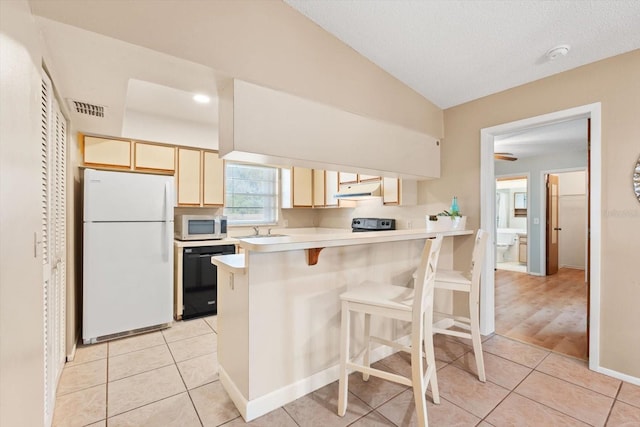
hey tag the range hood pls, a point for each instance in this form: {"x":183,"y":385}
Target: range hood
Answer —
{"x":361,"y":191}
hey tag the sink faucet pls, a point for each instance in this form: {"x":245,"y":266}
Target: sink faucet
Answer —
{"x":268,"y":232}
{"x":257,"y":230}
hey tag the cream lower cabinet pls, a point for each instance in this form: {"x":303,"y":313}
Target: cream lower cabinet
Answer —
{"x":200,"y":178}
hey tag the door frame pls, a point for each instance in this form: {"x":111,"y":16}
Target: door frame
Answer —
{"x":487,"y":214}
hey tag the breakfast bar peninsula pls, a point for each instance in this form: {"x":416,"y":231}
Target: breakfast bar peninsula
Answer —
{"x":279,"y":307}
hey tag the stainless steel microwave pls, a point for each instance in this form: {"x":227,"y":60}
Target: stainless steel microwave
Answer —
{"x":200,"y":227}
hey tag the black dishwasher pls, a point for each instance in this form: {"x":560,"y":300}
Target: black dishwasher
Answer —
{"x":200,"y":280}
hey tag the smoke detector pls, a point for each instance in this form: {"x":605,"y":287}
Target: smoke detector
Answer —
{"x":558,"y":51}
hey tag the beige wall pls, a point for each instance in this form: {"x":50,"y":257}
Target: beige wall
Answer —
{"x":614,"y":83}
{"x":21,"y":279}
{"x":264,"y":42}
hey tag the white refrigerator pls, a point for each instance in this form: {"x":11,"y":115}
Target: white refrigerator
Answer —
{"x":127,"y":253}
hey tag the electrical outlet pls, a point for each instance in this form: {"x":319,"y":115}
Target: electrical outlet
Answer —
{"x":409,"y":225}
{"x":285,"y":223}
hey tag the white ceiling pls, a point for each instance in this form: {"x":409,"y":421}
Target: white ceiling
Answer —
{"x":557,"y":138}
{"x":455,"y":51}
{"x":449,"y":51}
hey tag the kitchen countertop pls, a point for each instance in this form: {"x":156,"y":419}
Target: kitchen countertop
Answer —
{"x":317,"y":239}
{"x":195,"y":243}
{"x":340,"y":237}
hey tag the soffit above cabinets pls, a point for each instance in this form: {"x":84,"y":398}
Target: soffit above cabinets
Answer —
{"x":260,"y":124}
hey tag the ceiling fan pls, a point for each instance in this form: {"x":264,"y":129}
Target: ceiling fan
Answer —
{"x":505,"y":156}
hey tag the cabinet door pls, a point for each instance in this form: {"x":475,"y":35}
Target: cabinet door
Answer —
{"x":319,"y":188}
{"x":213,"y":181}
{"x":107,"y":152}
{"x":391,"y":191}
{"x":331,"y":188}
{"x":347,"y":178}
{"x":302,"y":187}
{"x":154,"y":157}
{"x":188,"y":177}
{"x":522,"y":250}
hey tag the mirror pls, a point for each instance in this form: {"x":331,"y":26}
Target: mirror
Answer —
{"x":520,"y":204}
{"x":636,"y":179}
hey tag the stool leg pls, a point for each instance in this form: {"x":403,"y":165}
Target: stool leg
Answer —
{"x":430,"y":355}
{"x":367,"y":344}
{"x":417,"y":378}
{"x":343,"y":382}
{"x":474,"y":317}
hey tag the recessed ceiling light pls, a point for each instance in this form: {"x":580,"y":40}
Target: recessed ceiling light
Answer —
{"x":201,"y":98}
{"x":558,"y":51}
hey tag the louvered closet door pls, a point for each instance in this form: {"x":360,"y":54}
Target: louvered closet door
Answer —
{"x":53,"y":241}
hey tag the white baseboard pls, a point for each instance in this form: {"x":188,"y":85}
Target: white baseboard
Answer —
{"x":252,"y":409}
{"x":618,"y":375}
{"x":575,"y":267}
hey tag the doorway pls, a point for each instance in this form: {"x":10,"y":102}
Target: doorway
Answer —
{"x":488,"y":215}
{"x":567,"y":231}
{"x":511,"y":223}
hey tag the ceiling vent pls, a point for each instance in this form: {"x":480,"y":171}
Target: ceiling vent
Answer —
{"x":86,"y":108}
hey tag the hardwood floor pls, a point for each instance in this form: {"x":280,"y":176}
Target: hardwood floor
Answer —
{"x":549,"y":311}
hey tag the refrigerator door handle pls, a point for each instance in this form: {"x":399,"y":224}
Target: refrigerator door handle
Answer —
{"x":167,"y":220}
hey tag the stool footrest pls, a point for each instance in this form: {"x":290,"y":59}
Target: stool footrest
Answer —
{"x":378,"y":373}
{"x":390,"y":343}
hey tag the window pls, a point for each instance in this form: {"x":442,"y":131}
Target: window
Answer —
{"x":251,"y":194}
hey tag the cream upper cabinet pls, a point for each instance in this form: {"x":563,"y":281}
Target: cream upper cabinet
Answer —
{"x":154,"y":157}
{"x":189,"y":177}
{"x":347,"y":178}
{"x":391,"y":191}
{"x":402,"y":192}
{"x":213,"y":179}
{"x":319,"y":192}
{"x":302,"y":187}
{"x":331,"y":188}
{"x":107,"y":152}
{"x":362,"y":178}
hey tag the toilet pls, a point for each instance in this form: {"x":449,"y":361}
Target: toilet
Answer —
{"x":505,"y":239}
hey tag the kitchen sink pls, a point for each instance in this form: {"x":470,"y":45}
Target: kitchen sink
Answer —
{"x":259,"y":236}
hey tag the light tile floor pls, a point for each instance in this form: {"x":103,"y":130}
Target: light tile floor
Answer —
{"x":170,"y":378}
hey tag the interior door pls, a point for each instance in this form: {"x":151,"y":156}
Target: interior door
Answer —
{"x":552,"y":224}
{"x":53,"y":198}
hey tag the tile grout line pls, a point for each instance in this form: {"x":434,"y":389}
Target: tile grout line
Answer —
{"x":578,"y":385}
{"x":553,"y":409}
{"x":615,"y":399}
{"x":183,"y":381}
{"x":290,"y":416}
{"x":513,"y":391}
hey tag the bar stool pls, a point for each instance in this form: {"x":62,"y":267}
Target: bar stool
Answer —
{"x":413,"y":305}
{"x":465,"y":282}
